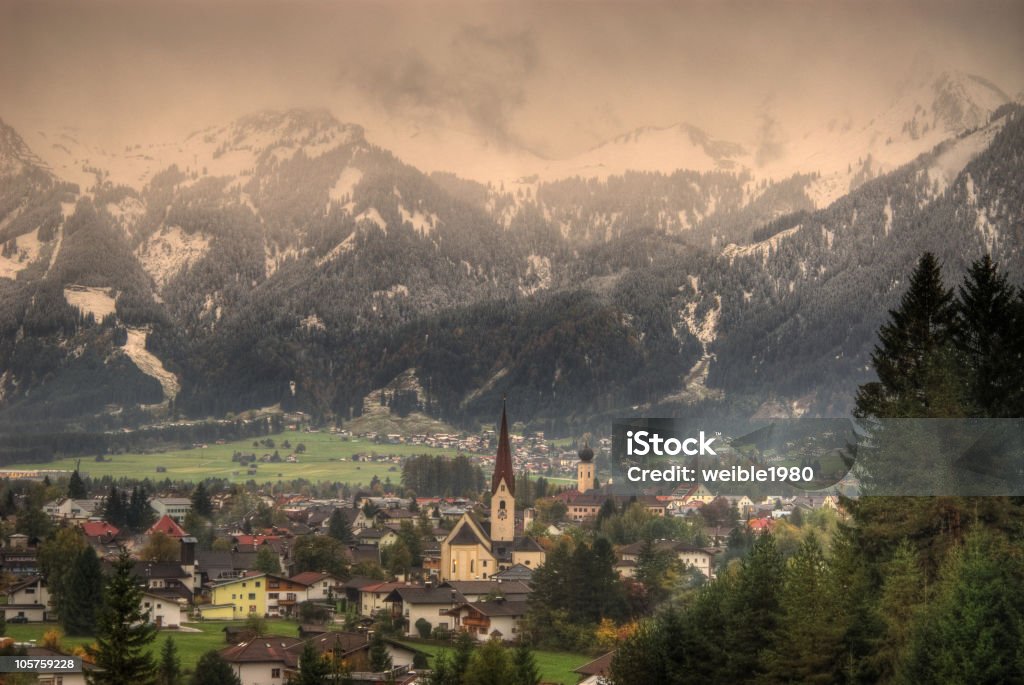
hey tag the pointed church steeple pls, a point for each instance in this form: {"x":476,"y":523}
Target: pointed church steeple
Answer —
{"x":503,"y":491}
{"x":503,"y":460}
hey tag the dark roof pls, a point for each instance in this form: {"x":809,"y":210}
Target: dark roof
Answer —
{"x":309,"y":577}
{"x":213,"y":559}
{"x":527,"y":544}
{"x":28,"y":581}
{"x":598,"y":666}
{"x":357,"y":582}
{"x":517,"y":572}
{"x":503,"y":461}
{"x":364,"y":553}
{"x":425,"y":595}
{"x":325,"y":640}
{"x":269,"y":648}
{"x":158,"y":569}
{"x":496,"y":607}
{"x":663,"y":545}
{"x":466,"y":536}
{"x":483,"y":587}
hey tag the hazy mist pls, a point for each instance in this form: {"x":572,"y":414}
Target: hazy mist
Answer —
{"x":556,"y":78}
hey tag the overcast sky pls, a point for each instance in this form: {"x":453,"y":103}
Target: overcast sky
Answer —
{"x":554,"y":77}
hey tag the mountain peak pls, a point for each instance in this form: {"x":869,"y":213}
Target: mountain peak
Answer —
{"x":964,"y":101}
{"x":15,"y":154}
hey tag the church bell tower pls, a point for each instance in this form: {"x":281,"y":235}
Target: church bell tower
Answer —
{"x":503,"y":489}
{"x":585,"y":469}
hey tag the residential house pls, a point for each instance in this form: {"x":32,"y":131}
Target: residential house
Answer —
{"x":167,"y":525}
{"x":164,"y":609}
{"x":372,"y":597}
{"x":45,"y":677}
{"x":237,"y":598}
{"x":27,"y":598}
{"x":67,"y":509}
{"x":430,"y":604}
{"x":480,"y":590}
{"x":284,"y":594}
{"x":596,"y":672}
{"x":263,"y":660}
{"x":320,"y":586}
{"x":175,"y":507}
{"x":20,"y":557}
{"x":498,"y":618}
{"x":699,"y":558}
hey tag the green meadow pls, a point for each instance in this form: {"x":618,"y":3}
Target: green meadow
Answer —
{"x":327,"y":457}
{"x":554,"y":667}
{"x":190,"y":645}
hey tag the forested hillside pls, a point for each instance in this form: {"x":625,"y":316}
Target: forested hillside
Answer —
{"x":287,"y":261}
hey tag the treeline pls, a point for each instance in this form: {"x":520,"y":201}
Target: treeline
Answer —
{"x":42,"y":447}
{"x":435,"y":476}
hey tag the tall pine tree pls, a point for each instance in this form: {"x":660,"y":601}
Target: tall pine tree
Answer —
{"x":82,"y":585}
{"x":987,"y":330}
{"x":914,"y":359}
{"x":123,"y":632}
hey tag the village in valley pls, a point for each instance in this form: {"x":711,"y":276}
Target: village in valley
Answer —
{"x":382,"y":578}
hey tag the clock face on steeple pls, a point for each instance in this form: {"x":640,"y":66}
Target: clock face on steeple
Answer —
{"x":502,"y":514}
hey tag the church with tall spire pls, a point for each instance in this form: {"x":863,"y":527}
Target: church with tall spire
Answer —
{"x":475,"y":549}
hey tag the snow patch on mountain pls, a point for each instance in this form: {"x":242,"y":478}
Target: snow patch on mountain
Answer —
{"x":19,"y":253}
{"x":538,"y":274}
{"x":346,"y":184}
{"x":99,"y":302}
{"x":421,"y":223}
{"x":127,"y":213}
{"x":150,"y":364}
{"x":959,"y":153}
{"x":165,"y":253}
{"x":346,"y":245}
{"x":764,"y":247}
{"x":373,"y":216}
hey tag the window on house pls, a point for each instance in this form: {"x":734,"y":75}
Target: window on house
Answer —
{"x":252,"y":595}
{"x":257,"y":583}
{"x":275,"y":673}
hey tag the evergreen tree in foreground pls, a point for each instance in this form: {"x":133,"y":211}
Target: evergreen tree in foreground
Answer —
{"x":914,"y":359}
{"x":213,"y":670}
{"x":313,"y":669}
{"x":380,"y":660}
{"x":989,"y":326}
{"x":524,"y":666}
{"x":123,"y":632}
{"x":82,"y":585}
{"x":169,"y":670}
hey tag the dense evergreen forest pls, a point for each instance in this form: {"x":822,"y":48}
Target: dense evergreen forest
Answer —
{"x":907,"y":590}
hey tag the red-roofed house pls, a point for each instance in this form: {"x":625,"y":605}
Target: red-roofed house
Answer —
{"x":168,"y":527}
{"x":761,"y":525}
{"x":99,"y":529}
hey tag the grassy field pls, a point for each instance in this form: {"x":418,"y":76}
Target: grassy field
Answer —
{"x":190,"y":645}
{"x":555,"y":667}
{"x":327,"y":458}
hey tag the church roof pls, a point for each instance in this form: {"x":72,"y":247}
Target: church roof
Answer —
{"x":466,"y":536}
{"x":527,"y":544}
{"x":503,"y":461}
